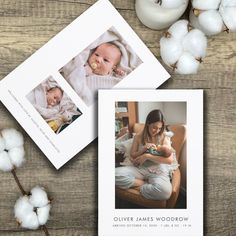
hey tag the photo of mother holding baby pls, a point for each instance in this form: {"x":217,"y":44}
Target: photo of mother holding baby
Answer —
{"x":152,"y":157}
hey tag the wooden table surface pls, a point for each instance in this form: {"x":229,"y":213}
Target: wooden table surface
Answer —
{"x":26,"y":25}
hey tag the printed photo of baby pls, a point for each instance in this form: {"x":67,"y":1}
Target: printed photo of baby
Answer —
{"x":103,"y":64}
{"x":53,"y":104}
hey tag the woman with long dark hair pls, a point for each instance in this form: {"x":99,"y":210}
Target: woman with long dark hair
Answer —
{"x":149,"y":173}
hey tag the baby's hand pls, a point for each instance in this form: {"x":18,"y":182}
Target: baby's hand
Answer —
{"x":150,"y":145}
{"x":119,"y":72}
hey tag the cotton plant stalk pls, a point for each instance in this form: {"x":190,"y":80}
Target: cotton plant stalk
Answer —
{"x":213,"y":16}
{"x":160,"y":14}
{"x":32,"y":209}
{"x":183,"y":48}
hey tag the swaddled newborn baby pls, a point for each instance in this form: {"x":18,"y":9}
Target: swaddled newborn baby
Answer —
{"x":54,"y":96}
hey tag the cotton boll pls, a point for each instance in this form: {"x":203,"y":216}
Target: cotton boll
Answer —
{"x":187,"y":64}
{"x":27,"y":210}
{"x":17,"y":156}
{"x":179,"y":29}
{"x":172,"y":4}
{"x":43,"y":214}
{"x":194,"y":20}
{"x":183,"y":55}
{"x":211,"y":22}
{"x":12,"y":137}
{"x":38,"y":197}
{"x":170,"y":49}
{"x":5,"y":163}
{"x":2,"y":144}
{"x":30,"y":221}
{"x":195,"y":42}
{"x":228,"y":15}
{"x":206,"y":4}
{"x":22,"y":207}
{"x":228,"y":3}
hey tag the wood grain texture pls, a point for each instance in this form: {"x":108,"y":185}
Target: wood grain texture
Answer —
{"x":25,"y":26}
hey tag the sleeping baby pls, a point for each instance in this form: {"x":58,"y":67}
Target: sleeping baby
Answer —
{"x":52,"y":104}
{"x":54,"y":96}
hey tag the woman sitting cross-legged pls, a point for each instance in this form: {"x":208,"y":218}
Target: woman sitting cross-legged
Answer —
{"x":150,"y":173}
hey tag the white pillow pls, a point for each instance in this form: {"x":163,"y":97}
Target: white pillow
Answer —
{"x":125,"y":147}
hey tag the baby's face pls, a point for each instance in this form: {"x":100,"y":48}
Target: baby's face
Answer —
{"x":54,"y":97}
{"x":104,"y":59}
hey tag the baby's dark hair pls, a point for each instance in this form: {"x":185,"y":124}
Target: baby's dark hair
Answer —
{"x":56,"y":87}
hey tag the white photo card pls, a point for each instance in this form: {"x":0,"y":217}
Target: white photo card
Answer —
{"x":53,"y":94}
{"x":142,"y":191}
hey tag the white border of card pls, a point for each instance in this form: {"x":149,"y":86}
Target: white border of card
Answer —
{"x":137,"y":222}
{"x":48,"y":60}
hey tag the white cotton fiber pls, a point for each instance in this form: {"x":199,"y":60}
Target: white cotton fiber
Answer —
{"x":2,"y":143}
{"x":194,"y":21}
{"x":32,"y":211}
{"x":195,"y":42}
{"x":228,"y":15}
{"x":5,"y":163}
{"x":30,"y":221}
{"x":43,"y":214}
{"x":179,"y":29}
{"x":211,"y":22}
{"x":206,"y":4}
{"x":38,"y":197}
{"x":170,"y":50}
{"x":172,"y":4}
{"x":228,"y":3}
{"x":187,"y":64}
{"x":22,"y":207}
{"x":184,"y":53}
{"x":17,"y":156}
{"x":12,"y":137}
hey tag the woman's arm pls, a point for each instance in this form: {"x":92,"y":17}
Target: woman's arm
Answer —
{"x":140,"y":159}
{"x":157,"y":159}
{"x":135,"y":151}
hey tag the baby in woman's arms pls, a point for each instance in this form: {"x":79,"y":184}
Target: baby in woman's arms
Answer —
{"x":159,"y":150}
